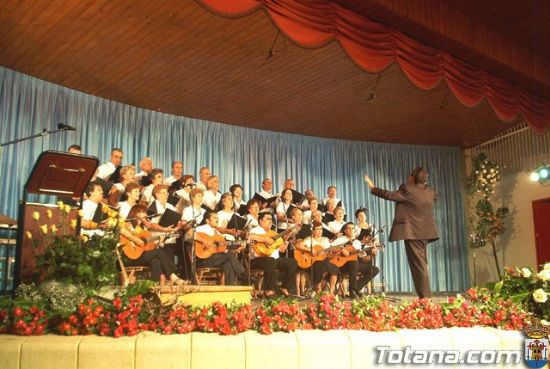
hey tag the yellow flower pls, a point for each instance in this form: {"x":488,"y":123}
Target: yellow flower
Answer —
{"x":547,"y":266}
{"x":60,"y":204}
{"x":73,"y":223}
{"x":28,"y":234}
{"x":544,"y":322}
{"x":104,"y":208}
{"x":53,"y":227}
{"x":540,"y":296}
{"x":525,"y":272}
{"x":67,"y":209}
{"x":84,"y":238}
{"x":44,"y":228}
{"x":49,"y":213}
{"x":36,"y":215}
{"x":111,"y":222}
{"x":80,"y":213}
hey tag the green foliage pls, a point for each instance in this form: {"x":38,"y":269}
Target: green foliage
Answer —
{"x":526,"y":287}
{"x":71,"y":259}
{"x":487,"y":223}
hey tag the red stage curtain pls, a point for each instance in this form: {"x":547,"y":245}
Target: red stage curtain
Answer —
{"x":373,"y":46}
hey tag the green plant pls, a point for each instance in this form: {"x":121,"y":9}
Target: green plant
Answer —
{"x":527,"y":287}
{"x":68,"y":258}
{"x":487,"y":223}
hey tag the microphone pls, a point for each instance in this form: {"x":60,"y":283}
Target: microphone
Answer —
{"x":65,"y":127}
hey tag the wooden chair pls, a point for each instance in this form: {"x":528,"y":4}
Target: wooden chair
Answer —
{"x":258,"y":276}
{"x":129,"y":274}
{"x":210,"y":276}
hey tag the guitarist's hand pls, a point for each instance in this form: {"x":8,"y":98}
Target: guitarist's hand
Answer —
{"x":269,"y":241}
{"x":283,"y":247}
{"x":345,"y":252}
{"x":138,"y":241}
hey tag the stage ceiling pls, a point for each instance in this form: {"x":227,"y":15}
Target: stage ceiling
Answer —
{"x":177,"y":57}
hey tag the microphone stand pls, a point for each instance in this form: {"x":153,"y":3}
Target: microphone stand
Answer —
{"x":311,"y":285}
{"x":382,"y":279}
{"x":44,"y":133}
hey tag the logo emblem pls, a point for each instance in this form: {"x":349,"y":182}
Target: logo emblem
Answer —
{"x":536,"y":346}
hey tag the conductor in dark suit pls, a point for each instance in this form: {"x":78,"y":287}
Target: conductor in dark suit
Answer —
{"x":413,"y":223}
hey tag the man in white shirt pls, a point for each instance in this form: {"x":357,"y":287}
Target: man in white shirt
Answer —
{"x":354,"y":267}
{"x":94,"y":194}
{"x":177,"y":172}
{"x":332,"y":193}
{"x":204,"y":175}
{"x":145,"y":167}
{"x":226,"y":261}
{"x":266,"y":193}
{"x":268,"y":264}
{"x":105,"y":171}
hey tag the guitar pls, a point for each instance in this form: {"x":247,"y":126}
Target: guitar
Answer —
{"x":261,"y":249}
{"x":206,"y":246}
{"x":133,"y":251}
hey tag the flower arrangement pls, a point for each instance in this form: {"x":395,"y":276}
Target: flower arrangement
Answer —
{"x":487,"y":223}
{"x":128,"y":315}
{"x":527,"y":287}
{"x":64,"y":256}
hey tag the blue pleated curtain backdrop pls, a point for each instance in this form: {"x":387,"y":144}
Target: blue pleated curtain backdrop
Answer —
{"x":237,"y":155}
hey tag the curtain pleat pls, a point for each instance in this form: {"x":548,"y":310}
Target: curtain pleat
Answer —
{"x":237,"y":155}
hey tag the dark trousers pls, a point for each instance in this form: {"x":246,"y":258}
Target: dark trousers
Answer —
{"x":232,"y":268}
{"x":157,"y":261}
{"x":352,"y":268}
{"x":322,"y":267}
{"x":176,"y":249}
{"x":368,"y":272}
{"x":418,"y":264}
{"x":286,"y":266}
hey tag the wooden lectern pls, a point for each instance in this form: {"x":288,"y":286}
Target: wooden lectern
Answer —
{"x":54,"y":173}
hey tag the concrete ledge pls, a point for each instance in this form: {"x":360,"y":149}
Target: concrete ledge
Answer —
{"x":301,"y":349}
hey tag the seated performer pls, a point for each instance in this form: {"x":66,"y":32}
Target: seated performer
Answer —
{"x":94,"y":194}
{"x":282,"y":208}
{"x":225,"y":210}
{"x":265,"y":256}
{"x":321,"y":268}
{"x":132,"y":194}
{"x":159,"y":206}
{"x":209,"y":239}
{"x":141,"y":251}
{"x":253,"y":207}
{"x":295,"y":243}
{"x":348,"y":262}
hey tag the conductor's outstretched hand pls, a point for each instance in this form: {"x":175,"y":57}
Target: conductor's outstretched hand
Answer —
{"x":369,"y":181}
